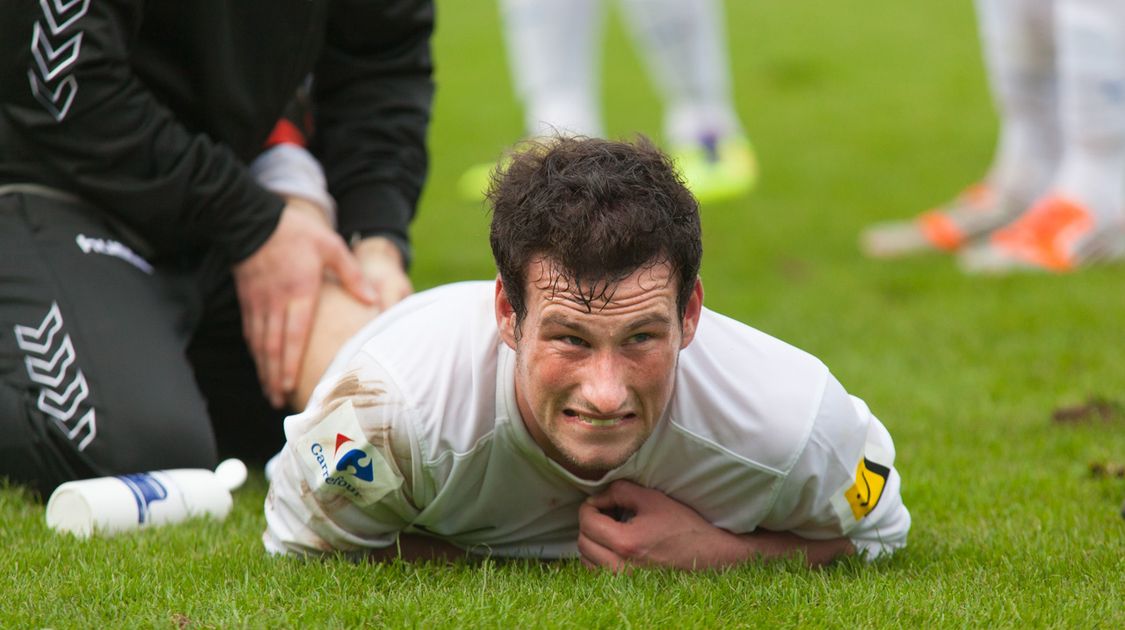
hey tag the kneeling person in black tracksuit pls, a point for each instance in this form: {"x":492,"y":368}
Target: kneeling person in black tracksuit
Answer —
{"x":150,"y":289}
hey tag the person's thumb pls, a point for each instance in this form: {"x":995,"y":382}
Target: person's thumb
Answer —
{"x":620,"y":493}
{"x":340,"y":260}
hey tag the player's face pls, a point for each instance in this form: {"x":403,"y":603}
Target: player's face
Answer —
{"x":592,"y":383}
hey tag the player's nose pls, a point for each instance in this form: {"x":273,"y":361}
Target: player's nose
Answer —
{"x":603,"y":386}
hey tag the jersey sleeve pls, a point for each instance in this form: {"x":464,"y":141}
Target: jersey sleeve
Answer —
{"x":373,"y":91}
{"x":72,"y":106}
{"x":844,"y":482}
{"x":345,"y":478}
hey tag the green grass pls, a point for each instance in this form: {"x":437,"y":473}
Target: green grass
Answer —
{"x":860,"y":112}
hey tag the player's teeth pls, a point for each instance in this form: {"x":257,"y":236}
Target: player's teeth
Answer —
{"x":598,"y":422}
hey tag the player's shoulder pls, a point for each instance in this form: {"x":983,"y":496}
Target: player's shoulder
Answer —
{"x":448,"y":299}
{"x":435,"y":356}
{"x":442,"y":313}
{"x":747,"y":393}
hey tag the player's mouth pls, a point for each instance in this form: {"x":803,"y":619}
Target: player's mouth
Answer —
{"x":598,"y":422}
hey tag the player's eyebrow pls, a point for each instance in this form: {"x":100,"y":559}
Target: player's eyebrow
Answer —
{"x":652,"y":319}
{"x":655,"y":319}
{"x":561,"y":321}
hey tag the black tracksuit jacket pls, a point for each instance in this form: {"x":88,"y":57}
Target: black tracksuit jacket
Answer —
{"x":150,"y":109}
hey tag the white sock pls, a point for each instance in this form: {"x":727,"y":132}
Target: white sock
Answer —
{"x":553,"y":47}
{"x":1091,"y":42}
{"x":684,"y":47}
{"x":1017,"y":39}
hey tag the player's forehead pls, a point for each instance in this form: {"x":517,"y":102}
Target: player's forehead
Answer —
{"x":650,"y":289}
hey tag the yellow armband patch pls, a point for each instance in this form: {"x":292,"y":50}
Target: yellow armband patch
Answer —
{"x":864,"y":494}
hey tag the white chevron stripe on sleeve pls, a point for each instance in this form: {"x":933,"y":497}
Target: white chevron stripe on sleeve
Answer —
{"x":61,"y":14}
{"x":54,"y":58}
{"x":51,"y":60}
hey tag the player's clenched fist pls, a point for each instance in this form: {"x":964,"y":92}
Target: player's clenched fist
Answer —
{"x":629,"y":525}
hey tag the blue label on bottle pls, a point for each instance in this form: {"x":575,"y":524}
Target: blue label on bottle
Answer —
{"x":146,"y":490}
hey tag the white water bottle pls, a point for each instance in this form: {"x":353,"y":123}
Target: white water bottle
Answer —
{"x":110,"y":505}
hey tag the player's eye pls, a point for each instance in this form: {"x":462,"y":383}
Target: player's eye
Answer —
{"x":571,"y":340}
{"x":640,"y":338}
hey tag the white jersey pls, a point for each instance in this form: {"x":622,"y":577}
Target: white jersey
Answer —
{"x":757,"y":434}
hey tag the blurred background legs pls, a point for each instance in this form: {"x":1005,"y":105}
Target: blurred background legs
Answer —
{"x":1080,"y":219}
{"x":1018,"y":44}
{"x":554,"y":47}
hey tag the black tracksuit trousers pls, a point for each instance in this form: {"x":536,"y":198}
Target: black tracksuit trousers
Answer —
{"x":112,"y":362}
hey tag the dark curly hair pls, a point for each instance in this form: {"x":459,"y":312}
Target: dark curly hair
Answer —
{"x":596,"y":210}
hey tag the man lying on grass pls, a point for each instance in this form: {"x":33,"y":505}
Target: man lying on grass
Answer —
{"x":584,"y":404}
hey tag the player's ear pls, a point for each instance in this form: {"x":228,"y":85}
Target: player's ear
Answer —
{"x":505,"y":315}
{"x":692,"y":312}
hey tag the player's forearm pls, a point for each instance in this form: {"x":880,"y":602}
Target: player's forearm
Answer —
{"x":767,"y":545}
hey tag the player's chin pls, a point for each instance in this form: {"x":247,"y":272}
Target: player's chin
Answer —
{"x":593,"y":470}
{"x":596,"y":457}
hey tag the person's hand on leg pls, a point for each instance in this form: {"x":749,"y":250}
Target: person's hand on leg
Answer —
{"x":382,"y":265}
{"x":278,"y":287}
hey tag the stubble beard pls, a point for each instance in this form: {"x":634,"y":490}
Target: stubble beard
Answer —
{"x":587,"y":468}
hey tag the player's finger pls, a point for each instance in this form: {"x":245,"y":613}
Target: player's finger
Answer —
{"x":598,"y":526}
{"x":340,"y":259}
{"x":253,"y":330}
{"x":622,"y":494}
{"x":595,"y":555}
{"x":298,"y":321}
{"x":603,"y":501}
{"x":247,"y":316}
{"x":273,"y":343}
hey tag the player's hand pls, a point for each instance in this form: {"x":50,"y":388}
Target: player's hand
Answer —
{"x":382,"y":265}
{"x":629,"y":525}
{"x":278,"y":286}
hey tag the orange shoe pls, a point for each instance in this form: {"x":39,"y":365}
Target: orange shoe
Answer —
{"x":972,"y":214}
{"x":1056,"y":234}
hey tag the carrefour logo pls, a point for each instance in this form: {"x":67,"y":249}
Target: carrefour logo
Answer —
{"x":354,"y":462}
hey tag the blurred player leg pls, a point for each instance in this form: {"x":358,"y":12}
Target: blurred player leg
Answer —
{"x":1080,"y":219}
{"x":1017,"y":38}
{"x":552,"y":48}
{"x":1021,"y":58}
{"x":684,"y":46}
